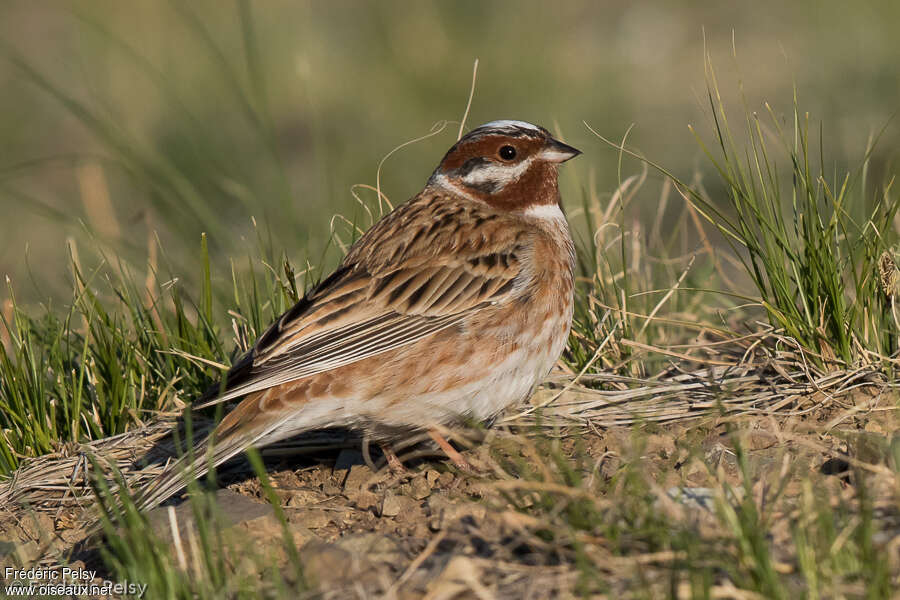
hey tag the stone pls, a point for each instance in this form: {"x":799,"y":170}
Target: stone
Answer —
{"x":265,"y":527}
{"x":662,"y":445}
{"x":17,"y":553}
{"x":459,"y":579}
{"x":6,"y":548}
{"x":335,"y":569}
{"x":301,"y":498}
{"x":419,"y":488}
{"x":432,"y":476}
{"x":376,"y":547}
{"x":393,"y":505}
{"x":868,"y":447}
{"x":311,"y":519}
{"x":442,"y":511}
{"x":364,"y":500}
{"x":357,"y":477}
{"x":232,"y":509}
{"x":37,"y":526}
{"x":283,"y":495}
{"x":609,"y":466}
{"x":332,"y":487}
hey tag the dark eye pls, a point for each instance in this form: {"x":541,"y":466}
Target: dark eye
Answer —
{"x":507,"y":153}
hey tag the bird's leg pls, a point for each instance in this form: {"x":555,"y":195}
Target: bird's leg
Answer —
{"x":450,"y":451}
{"x":393,"y":461}
{"x":367,"y":457}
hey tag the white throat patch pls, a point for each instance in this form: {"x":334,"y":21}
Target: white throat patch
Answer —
{"x":546,"y":212}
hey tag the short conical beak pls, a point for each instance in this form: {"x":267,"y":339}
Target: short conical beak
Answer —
{"x":556,"y":151}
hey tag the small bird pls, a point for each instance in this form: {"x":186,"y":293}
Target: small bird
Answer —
{"x":455,"y":305}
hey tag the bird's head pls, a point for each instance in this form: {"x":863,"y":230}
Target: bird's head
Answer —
{"x":507,"y":164}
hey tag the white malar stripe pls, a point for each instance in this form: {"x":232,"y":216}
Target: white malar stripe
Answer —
{"x":546,"y":212}
{"x":510,"y":124}
{"x":497,"y":173}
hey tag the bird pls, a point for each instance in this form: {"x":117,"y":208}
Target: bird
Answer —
{"x":454,"y":305}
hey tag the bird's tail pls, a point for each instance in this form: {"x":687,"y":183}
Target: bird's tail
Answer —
{"x":241,"y":428}
{"x":206,"y":455}
{"x":211,"y":452}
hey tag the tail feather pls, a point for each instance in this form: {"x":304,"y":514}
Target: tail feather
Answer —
{"x":175,"y":478}
{"x":244,"y":426}
{"x":179,"y":473}
{"x":193,"y":466}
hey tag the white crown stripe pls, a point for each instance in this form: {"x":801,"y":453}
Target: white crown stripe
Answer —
{"x":510,"y":124}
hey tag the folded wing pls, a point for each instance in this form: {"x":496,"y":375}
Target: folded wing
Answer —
{"x":421,"y":269}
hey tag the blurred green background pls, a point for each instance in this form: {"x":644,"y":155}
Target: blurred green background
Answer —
{"x":120,"y":119}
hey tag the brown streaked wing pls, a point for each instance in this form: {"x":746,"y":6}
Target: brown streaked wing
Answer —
{"x":421,"y":269}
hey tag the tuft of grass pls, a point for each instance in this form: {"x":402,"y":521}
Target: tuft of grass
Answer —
{"x":809,"y":241}
{"x":641,"y":286}
{"x":810,"y":238}
{"x":123,"y":351}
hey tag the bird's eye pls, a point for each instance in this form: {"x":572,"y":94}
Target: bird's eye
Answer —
{"x":507,"y":153}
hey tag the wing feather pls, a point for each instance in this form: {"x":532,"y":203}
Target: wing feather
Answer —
{"x":423,"y":268}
